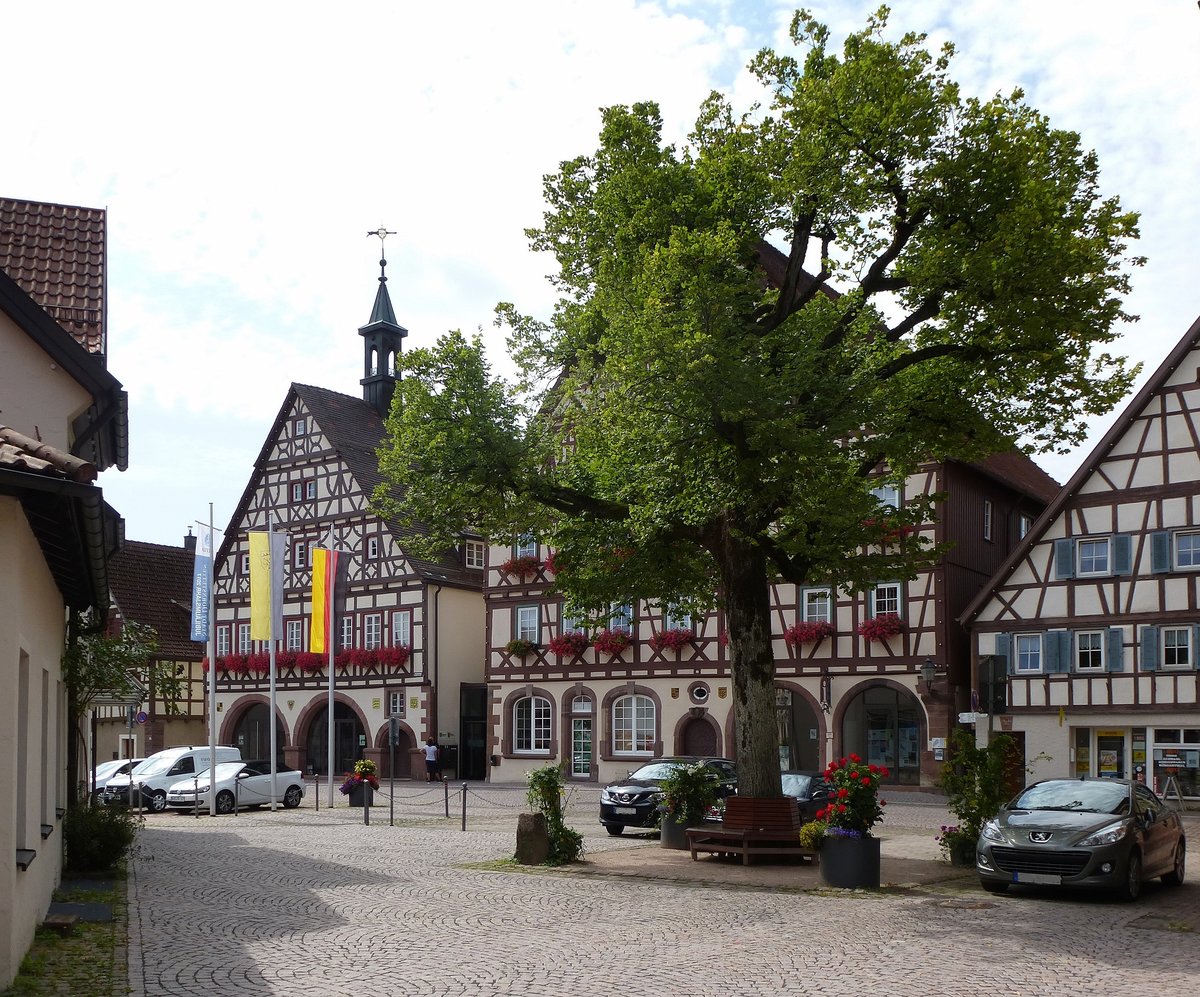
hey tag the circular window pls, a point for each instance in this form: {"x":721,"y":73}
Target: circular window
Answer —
{"x":699,"y":692}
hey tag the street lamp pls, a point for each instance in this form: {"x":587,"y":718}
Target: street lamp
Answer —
{"x":928,"y":673}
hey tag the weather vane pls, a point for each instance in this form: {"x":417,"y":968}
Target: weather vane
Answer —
{"x":382,"y":234}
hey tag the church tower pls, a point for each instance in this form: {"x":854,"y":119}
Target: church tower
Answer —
{"x":382,"y":342}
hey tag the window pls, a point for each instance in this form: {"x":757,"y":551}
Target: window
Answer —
{"x":885,"y":599}
{"x":817,"y":606}
{"x":396,"y":703}
{"x":295,"y":632}
{"x":1024,"y":524}
{"x":347,"y":640}
{"x":531,"y":724}
{"x":372,"y":630}
{"x":222,"y":641}
{"x":474,"y":554}
{"x":1089,"y":651}
{"x":245,"y":564}
{"x":888,"y":496}
{"x":402,"y":628}
{"x":620,"y":617}
{"x":1093,"y":557}
{"x":987,"y":520}
{"x":1029,"y":653}
{"x":1177,"y":646}
{"x":633,"y":721}
{"x":568,"y":623}
{"x":673,"y":619}
{"x":1187,"y":550}
{"x":310,"y":489}
{"x":526,"y":546}
{"x":527,"y":623}
{"x":300,"y":427}
{"x":372,"y":548}
{"x":300,"y":556}
{"x":297,"y":491}
{"x":243,"y":638}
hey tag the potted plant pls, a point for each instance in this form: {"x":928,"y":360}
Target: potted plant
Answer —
{"x":881,"y":627}
{"x":569,"y":645}
{"x":525,"y":564}
{"x":688,"y":792}
{"x":519,"y":647}
{"x":849,"y":851}
{"x":809,"y":632}
{"x":976,"y":786}
{"x":611,"y":642}
{"x":360,"y":784}
{"x":675,"y":639}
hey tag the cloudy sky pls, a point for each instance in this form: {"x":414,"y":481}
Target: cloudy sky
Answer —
{"x":244,"y":150}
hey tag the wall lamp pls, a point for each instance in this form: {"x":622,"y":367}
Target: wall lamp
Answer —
{"x":928,"y":674}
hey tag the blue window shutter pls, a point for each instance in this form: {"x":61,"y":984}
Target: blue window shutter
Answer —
{"x":1149,"y":656}
{"x":1056,"y":651}
{"x":1002,"y":651}
{"x":1116,"y":649}
{"x":1122,"y":554}
{"x":1160,"y":552}
{"x":1195,"y":649}
{"x":1064,"y":558}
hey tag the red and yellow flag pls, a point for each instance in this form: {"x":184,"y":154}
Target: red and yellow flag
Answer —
{"x":324,"y":595}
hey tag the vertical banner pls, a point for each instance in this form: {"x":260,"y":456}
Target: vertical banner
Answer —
{"x":201,"y":573}
{"x":267,"y":554}
{"x":328,"y":596}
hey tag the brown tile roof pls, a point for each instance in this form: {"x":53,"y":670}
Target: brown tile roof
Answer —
{"x":19,"y":452}
{"x":152,"y":585}
{"x":1020,"y":472}
{"x":57,"y":254}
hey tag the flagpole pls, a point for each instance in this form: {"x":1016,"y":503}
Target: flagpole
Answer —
{"x":212,"y":675}
{"x":330,"y":604}
{"x":276,"y":576}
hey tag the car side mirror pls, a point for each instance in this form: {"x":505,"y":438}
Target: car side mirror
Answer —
{"x":243,"y":775}
{"x":1150,"y":817}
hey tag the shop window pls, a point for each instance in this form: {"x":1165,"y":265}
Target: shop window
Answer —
{"x":634,"y":725}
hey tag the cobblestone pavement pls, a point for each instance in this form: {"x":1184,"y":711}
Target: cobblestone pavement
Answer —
{"x":315,"y":903}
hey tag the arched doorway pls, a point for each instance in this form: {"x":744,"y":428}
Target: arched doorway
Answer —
{"x":698,"y":737}
{"x":252,"y":735}
{"x":883,"y":725}
{"x":406,"y":744}
{"x":348,"y":740}
{"x":799,"y":732}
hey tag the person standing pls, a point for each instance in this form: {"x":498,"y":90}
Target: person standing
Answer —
{"x":431,"y":759}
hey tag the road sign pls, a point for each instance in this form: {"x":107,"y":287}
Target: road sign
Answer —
{"x":971,"y":718}
{"x":141,"y":717}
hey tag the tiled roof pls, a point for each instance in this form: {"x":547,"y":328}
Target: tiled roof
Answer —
{"x":1018,"y":471}
{"x":19,"y":452}
{"x":56,"y":252}
{"x":152,"y":585}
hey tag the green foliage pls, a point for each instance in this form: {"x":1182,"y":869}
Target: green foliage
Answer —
{"x":704,"y":413}
{"x":545,"y":795}
{"x":688,"y":792}
{"x":98,"y":837}
{"x":813,"y":833}
{"x":974,"y":779}
{"x":96,"y":663}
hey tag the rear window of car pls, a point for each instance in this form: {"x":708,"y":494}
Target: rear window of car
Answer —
{"x":1083,"y":796}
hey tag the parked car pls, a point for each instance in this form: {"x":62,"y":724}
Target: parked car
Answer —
{"x":808,"y":789}
{"x":161,"y":771}
{"x":246,"y":784}
{"x":634,"y":800}
{"x":108,"y":770}
{"x":1107,"y":833}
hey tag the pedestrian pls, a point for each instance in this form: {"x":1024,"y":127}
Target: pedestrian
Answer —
{"x":431,"y":759}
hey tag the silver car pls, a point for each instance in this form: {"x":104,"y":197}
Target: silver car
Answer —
{"x":240,"y":785}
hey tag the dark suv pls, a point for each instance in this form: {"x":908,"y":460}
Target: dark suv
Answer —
{"x":634,"y":800}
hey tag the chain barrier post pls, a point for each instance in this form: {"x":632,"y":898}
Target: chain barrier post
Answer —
{"x":393,"y":737}
{"x":446,"y":793}
{"x":196,"y":794}
{"x":317,"y":792}
{"x":464,"y":806}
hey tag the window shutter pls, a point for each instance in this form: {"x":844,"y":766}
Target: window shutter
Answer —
{"x":1002,"y":652}
{"x":1064,"y":559}
{"x":1149,"y":656}
{"x":1056,"y":649}
{"x":1196,"y":646}
{"x":1160,"y":552}
{"x":1115,"y":658}
{"x":1122,"y":554}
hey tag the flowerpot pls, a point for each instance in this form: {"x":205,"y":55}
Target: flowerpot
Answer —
{"x":362,"y":795}
{"x":673,"y":833}
{"x":963,"y":854}
{"x":850,"y":863}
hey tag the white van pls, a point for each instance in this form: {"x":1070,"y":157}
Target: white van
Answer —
{"x":160,"y":771}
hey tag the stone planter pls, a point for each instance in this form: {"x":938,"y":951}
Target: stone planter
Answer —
{"x":850,"y":863}
{"x":963,"y":854}
{"x":361,"y":795}
{"x":673,"y":833}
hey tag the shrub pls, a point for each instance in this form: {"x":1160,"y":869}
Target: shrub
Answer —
{"x":688,"y":792}
{"x":545,"y":795}
{"x":98,"y":837}
{"x":974,"y":780}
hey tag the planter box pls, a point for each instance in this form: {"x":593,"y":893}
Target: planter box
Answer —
{"x":673,"y":833}
{"x":850,"y":863}
{"x":362,"y":795}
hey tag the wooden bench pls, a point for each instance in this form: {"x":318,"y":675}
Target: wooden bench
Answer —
{"x":752,"y":826}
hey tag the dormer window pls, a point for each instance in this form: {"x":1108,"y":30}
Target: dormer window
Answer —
{"x":474,"y":554}
{"x":300,"y":427}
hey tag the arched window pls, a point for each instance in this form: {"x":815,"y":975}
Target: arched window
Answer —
{"x":634,"y":725}
{"x":531,"y":724}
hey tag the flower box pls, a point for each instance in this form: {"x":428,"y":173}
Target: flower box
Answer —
{"x":881,"y":627}
{"x":808,"y":632}
{"x":521,"y":567}
{"x":611,"y":641}
{"x":519,"y":647}
{"x":569,"y":645}
{"x":674,"y":639}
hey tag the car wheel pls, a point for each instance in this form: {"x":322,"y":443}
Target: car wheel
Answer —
{"x":158,"y":801}
{"x":614,"y":829}
{"x":1131,"y":888}
{"x":291,"y":798}
{"x":1175,"y":876}
{"x":225,"y":802}
{"x":994,"y":886}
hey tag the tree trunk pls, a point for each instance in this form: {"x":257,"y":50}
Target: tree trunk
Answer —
{"x":743,"y":570}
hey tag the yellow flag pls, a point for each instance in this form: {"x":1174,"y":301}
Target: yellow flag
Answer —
{"x":266,"y":585}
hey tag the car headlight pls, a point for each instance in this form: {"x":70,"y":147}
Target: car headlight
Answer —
{"x":991,"y":831}
{"x":605,"y":796}
{"x":1107,"y":835}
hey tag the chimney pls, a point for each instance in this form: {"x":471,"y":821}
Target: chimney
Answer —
{"x":189,"y":542}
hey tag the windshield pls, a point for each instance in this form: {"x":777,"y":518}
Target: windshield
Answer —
{"x":797,"y":785}
{"x":225,"y":770}
{"x":1085,"y":797}
{"x":155,"y":766}
{"x":655,"y":770}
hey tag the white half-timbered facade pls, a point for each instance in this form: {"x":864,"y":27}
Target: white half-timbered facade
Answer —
{"x":1095,"y":621}
{"x":603,"y":710}
{"x":409,"y":642}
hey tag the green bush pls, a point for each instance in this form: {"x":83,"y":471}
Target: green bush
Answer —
{"x":545,"y":795}
{"x":98,"y":838}
{"x":688,"y":792}
{"x":974,"y":780}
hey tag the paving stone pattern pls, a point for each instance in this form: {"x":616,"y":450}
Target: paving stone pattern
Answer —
{"x":315,"y":903}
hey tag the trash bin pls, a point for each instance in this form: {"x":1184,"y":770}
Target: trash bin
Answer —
{"x":448,"y":761}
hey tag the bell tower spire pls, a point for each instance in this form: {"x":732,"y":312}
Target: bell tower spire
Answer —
{"x":382,"y":340}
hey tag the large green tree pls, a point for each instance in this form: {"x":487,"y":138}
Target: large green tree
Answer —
{"x":863,"y":273}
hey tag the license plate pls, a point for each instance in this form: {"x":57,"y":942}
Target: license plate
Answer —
{"x":1039,"y":878}
{"x":624,"y":810}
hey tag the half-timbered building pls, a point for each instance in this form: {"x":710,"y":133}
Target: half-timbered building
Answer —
{"x":410,"y":637}
{"x":852,"y":672}
{"x":1093,"y":624}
